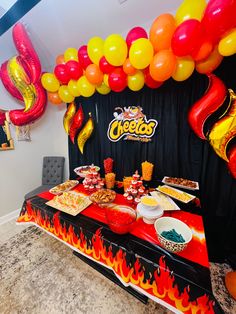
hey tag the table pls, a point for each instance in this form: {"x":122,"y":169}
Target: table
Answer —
{"x":180,"y":282}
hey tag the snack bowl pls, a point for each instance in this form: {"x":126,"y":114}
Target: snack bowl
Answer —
{"x":149,"y":216}
{"x":120,"y":218}
{"x":149,"y":202}
{"x":83,"y":170}
{"x":167,"y":224}
{"x":103,"y":197}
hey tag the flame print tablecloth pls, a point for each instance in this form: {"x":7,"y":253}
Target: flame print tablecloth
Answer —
{"x":179,"y":282}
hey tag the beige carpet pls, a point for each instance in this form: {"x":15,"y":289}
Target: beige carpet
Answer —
{"x":39,"y":275}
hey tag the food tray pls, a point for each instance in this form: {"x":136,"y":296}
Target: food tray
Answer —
{"x":83,"y":203}
{"x":171,"y":205}
{"x":181,"y":185}
{"x":83,"y":170}
{"x":188,"y":197}
{"x":64,"y":187}
{"x":103,"y":196}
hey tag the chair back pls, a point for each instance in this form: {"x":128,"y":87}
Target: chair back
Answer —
{"x":53,"y":170}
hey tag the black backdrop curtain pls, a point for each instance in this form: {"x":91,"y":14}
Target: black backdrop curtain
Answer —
{"x":174,"y":149}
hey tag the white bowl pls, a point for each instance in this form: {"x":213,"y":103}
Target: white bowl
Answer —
{"x":169,"y":223}
{"x":79,"y":172}
{"x":149,"y":207}
{"x":149,"y":216}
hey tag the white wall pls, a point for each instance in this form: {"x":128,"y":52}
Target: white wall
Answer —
{"x":54,"y":26}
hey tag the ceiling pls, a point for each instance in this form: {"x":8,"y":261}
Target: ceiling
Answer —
{"x":56,"y":25}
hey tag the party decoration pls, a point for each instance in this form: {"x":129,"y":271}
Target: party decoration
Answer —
{"x":71,"y":54}
{"x":149,"y":81}
{"x":85,"y":133}
{"x":224,"y":130}
{"x":184,"y":69}
{"x":232,"y":161}
{"x":68,"y":116}
{"x":61,"y":73}
{"x":190,"y":10}
{"x":83,"y":56}
{"x":50,"y":82}
{"x":136,"y":189}
{"x":64,"y":94}
{"x":60,"y":59}
{"x":161,"y":32}
{"x":219,"y":17}
{"x":94,"y":74}
{"x":128,"y":68}
{"x":73,"y":88}
{"x":187,"y":38}
{"x":54,"y":98}
{"x":27,"y":52}
{"x":95,"y":49}
{"x":163,"y":65}
{"x":21,"y":82}
{"x":76,"y":124}
{"x":103,"y":89}
{"x":141,"y":53}
{"x":210,"y":64}
{"x":227,"y":45}
{"x":105,"y":66}
{"x":105,"y":79}
{"x":117,"y":80}
{"x":132,"y":124}
{"x":2,"y":117}
{"x":74,"y":69}
{"x":206,"y":105}
{"x":134,"y":34}
{"x":136,"y":81}
{"x":115,"y":49}
{"x":203,"y":51}
{"x":86,"y":89}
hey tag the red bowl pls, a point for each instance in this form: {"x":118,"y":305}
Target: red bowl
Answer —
{"x":120,"y":218}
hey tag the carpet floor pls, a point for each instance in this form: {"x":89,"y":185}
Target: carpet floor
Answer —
{"x":40,"y":275}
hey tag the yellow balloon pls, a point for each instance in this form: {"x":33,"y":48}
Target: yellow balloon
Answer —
{"x":184,"y":69}
{"x":50,"y":82}
{"x":227,"y":45}
{"x":103,"y":89}
{"x":115,"y":49}
{"x":64,"y":94}
{"x":71,"y":54}
{"x":73,"y":88}
{"x":136,"y":81}
{"x":105,"y":79}
{"x":86,"y":89}
{"x":85,"y":133}
{"x":190,"y":9}
{"x":95,"y":49}
{"x":141,"y":53}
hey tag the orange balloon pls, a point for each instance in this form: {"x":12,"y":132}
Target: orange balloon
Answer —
{"x":163,"y":65}
{"x":161,"y":32}
{"x":203,"y":52}
{"x":60,"y":59}
{"x":94,"y":74}
{"x":128,"y":68}
{"x":208,"y":65}
{"x":54,"y":98}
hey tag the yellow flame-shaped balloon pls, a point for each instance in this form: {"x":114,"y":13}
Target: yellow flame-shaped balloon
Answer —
{"x":68,"y":117}
{"x":20,"y":80}
{"x":85,"y":133}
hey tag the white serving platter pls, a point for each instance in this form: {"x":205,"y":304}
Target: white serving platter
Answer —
{"x":190,"y":196}
{"x":180,"y":185}
{"x":167,"y":204}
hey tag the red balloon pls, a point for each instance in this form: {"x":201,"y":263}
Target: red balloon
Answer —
{"x":105,"y":67}
{"x":232,"y":161}
{"x":149,"y":81}
{"x":117,"y":80}
{"x":76,"y":124}
{"x":2,"y":118}
{"x":61,"y":73}
{"x":74,"y":69}
{"x":187,"y":38}
{"x":134,"y":34}
{"x":211,"y":101}
{"x":84,"y":57}
{"x":219,"y":17}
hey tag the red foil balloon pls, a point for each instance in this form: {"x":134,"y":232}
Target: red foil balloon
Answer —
{"x":187,"y":38}
{"x":232,"y":161}
{"x":61,"y":73}
{"x":219,"y":17}
{"x":205,"y":106}
{"x":76,"y":124}
{"x":2,"y":117}
{"x":84,"y":57}
{"x":10,"y":87}
{"x":134,"y":34}
{"x":105,"y":67}
{"x":19,"y":117}
{"x":74,"y":69}
{"x":27,"y":53}
{"x":117,"y":80}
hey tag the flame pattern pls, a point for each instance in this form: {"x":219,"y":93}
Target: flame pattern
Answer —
{"x":156,"y":280}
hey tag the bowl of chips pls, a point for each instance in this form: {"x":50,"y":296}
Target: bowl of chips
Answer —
{"x":103,"y":197}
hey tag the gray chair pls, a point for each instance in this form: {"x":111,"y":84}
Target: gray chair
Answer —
{"x":53,"y":170}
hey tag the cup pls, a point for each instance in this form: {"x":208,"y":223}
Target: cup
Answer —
{"x":110,"y":180}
